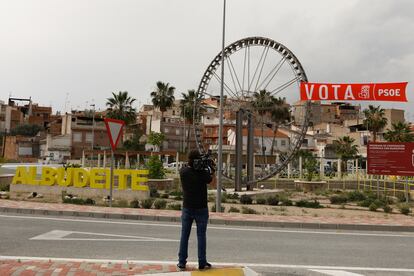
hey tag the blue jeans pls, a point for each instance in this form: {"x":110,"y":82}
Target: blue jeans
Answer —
{"x":201,"y":218}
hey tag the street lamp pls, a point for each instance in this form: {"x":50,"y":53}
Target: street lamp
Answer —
{"x":220,"y":136}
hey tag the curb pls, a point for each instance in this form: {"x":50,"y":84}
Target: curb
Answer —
{"x":213,"y":272}
{"x":276,"y":224}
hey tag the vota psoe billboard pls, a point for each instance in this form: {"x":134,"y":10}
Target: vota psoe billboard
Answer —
{"x":391,"y":158}
{"x":389,"y":92}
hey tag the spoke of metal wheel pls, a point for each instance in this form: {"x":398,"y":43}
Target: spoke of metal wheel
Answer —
{"x":226,"y":87}
{"x":273,"y":72}
{"x":244,"y":69}
{"x":261,"y":69}
{"x":235,"y":73}
{"x":231,"y":75}
{"x":248,"y":71}
{"x":257,"y":67}
{"x":283,"y":86}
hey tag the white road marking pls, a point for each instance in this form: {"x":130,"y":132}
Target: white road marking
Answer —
{"x":336,"y":272}
{"x":309,"y":267}
{"x":337,"y":232}
{"x":60,"y":235}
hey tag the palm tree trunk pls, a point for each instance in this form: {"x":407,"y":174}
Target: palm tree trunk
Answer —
{"x":161,"y":128}
{"x":188,"y":137}
{"x":274,"y":139}
{"x":263,"y":147}
{"x":374,"y":134}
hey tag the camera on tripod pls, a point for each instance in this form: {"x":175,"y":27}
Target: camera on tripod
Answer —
{"x":205,"y":163}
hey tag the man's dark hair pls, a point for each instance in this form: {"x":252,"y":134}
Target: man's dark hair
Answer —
{"x":194,"y":154}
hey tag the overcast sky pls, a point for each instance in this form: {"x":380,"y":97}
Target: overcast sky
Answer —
{"x":79,"y":51}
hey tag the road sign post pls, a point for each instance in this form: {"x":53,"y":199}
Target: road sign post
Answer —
{"x":114,"y":129}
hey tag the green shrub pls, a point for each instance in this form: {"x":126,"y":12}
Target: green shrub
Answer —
{"x":247,"y":210}
{"x":213,"y":208}
{"x":404,"y":208}
{"x":174,"y":206}
{"x":176,"y":193}
{"x":134,"y":203}
{"x":234,"y":210}
{"x":272,"y":200}
{"x":74,"y":200}
{"x":89,"y":201}
{"x":246,"y":199}
{"x":380,"y":202}
{"x":154,"y":192}
{"x":260,"y":200}
{"x":355,"y":196}
{"x":338,"y":199}
{"x":366,"y":202}
{"x":387,"y":209}
{"x":147,"y":203}
{"x":284,"y":201}
{"x":5,"y":188}
{"x":308,"y":204}
{"x":373,"y":207}
{"x":155,"y":168}
{"x":233,"y":196}
{"x":160,"y":204}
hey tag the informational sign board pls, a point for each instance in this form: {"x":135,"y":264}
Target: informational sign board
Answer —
{"x":114,"y":129}
{"x":391,"y":159}
{"x":390,"y":92}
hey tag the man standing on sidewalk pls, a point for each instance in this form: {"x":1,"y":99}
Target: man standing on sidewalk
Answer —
{"x":194,"y":181}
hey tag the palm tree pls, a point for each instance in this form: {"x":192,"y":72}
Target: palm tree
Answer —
{"x":375,"y":120}
{"x":400,"y":132}
{"x":187,"y":105}
{"x":120,"y":107}
{"x":262,"y":103}
{"x":280,"y":115}
{"x":163,"y":98}
{"x":345,"y":148}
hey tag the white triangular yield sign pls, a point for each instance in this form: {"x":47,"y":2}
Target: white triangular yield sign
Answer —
{"x":114,"y":129}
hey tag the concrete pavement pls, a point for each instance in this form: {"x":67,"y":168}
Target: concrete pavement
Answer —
{"x":87,"y":242}
{"x":404,"y":224}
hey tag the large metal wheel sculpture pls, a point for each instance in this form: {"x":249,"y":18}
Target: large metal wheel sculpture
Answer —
{"x":261,"y":105}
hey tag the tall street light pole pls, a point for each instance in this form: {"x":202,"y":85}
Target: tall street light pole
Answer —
{"x":220,"y":136}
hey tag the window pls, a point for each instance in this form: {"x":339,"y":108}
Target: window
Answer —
{"x":166,"y":130}
{"x":88,"y":137}
{"x":177,"y":131}
{"x":275,"y":143}
{"x":77,"y":137}
{"x":283,"y":143}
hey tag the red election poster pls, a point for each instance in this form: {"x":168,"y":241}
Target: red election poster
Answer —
{"x":392,"y":92}
{"x":391,"y":158}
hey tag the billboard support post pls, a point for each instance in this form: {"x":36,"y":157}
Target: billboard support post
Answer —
{"x":407,"y":192}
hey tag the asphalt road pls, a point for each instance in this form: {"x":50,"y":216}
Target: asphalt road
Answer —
{"x":271,"y":250}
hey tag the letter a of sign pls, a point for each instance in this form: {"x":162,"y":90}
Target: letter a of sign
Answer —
{"x":114,"y":129}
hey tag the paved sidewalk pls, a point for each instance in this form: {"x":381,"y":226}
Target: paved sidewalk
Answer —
{"x":397,"y":223}
{"x":57,"y":267}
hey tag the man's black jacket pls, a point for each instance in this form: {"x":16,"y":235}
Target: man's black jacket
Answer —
{"x":194,"y":185}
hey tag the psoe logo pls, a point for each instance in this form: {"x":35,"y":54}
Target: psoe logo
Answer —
{"x":364,"y":94}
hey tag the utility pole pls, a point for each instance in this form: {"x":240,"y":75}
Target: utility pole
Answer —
{"x":93,"y":128}
{"x":220,"y":136}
